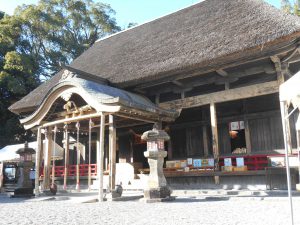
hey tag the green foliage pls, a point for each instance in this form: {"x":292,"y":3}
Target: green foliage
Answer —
{"x":35,"y":41}
{"x":60,"y":30}
{"x":291,"y":7}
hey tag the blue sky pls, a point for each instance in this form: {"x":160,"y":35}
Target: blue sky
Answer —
{"x":127,"y":11}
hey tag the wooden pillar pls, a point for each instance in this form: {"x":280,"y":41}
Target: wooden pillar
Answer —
{"x":247,"y":130}
{"x":204,"y":134}
{"x":66,"y":147}
{"x":54,"y":154}
{"x":287,"y":147}
{"x":247,"y":136}
{"x":47,"y":158}
{"x":282,"y":70}
{"x":91,"y":124}
{"x":38,"y":161}
{"x":78,"y":158}
{"x":285,"y":126}
{"x":215,"y":140}
{"x":112,"y":152}
{"x":101,"y":158}
{"x":205,"y":141}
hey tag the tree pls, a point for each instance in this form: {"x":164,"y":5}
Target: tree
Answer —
{"x":289,"y":7}
{"x":17,"y":78}
{"x":60,"y":30}
{"x":35,"y":41}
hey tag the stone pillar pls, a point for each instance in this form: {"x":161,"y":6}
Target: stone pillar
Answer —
{"x":24,"y":184}
{"x":157,"y":189}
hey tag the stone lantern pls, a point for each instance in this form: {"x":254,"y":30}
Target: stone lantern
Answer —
{"x":157,"y":189}
{"x":24,"y":184}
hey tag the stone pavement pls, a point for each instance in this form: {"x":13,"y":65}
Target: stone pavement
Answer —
{"x":190,"y":207}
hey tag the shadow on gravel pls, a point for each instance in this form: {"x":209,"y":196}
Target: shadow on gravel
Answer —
{"x":7,"y":199}
{"x":207,"y":199}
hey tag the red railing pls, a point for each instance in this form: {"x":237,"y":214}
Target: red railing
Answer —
{"x":253,"y":162}
{"x":83,"y":170}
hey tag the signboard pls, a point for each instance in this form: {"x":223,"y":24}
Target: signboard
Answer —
{"x":211,"y":162}
{"x":238,"y":125}
{"x":204,"y":162}
{"x":190,"y":161}
{"x":240,"y":162}
{"x":227,"y":162}
{"x":197,"y":163}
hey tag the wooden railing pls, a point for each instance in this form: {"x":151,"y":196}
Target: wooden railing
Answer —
{"x":83,"y":170}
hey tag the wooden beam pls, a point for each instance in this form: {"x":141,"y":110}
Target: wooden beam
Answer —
{"x":215,"y":139}
{"x":278,"y":67}
{"x":112,"y":152}
{"x":177,"y":83}
{"x":227,"y":85}
{"x":157,"y":99}
{"x":224,"y":96}
{"x":291,"y":55}
{"x":199,"y":81}
{"x":222,"y":72}
{"x":182,"y":95}
{"x":38,"y":161}
{"x":74,"y":119}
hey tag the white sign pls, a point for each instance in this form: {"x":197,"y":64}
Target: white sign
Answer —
{"x":211,"y":162}
{"x":227,"y":162}
{"x":240,"y":162}
{"x":190,"y":161}
{"x":238,"y":125}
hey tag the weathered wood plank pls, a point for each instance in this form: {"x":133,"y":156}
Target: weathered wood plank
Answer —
{"x":222,"y":72}
{"x":47,"y":159}
{"x":223,"y":96}
{"x":215,"y":139}
{"x":101,"y":158}
{"x":112,"y":152}
{"x":38,"y":160}
{"x":205,"y":140}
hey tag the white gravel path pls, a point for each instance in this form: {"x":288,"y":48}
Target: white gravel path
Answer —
{"x":183,"y":210}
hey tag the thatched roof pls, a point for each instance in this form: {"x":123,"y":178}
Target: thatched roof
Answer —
{"x":195,"y":37}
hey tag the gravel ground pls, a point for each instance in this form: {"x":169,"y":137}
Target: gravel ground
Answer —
{"x":184,"y":210}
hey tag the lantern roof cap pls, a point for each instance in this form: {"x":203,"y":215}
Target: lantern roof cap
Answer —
{"x":155,"y":134}
{"x":26,"y":149}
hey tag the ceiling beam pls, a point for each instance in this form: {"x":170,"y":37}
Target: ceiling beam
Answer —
{"x":222,"y":73}
{"x":176,"y":82}
{"x":223,"y":96}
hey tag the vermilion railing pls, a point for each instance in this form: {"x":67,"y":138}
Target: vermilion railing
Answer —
{"x":83,"y":170}
{"x":253,"y":162}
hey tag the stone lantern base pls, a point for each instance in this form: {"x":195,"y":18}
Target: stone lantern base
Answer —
{"x":160,"y":192}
